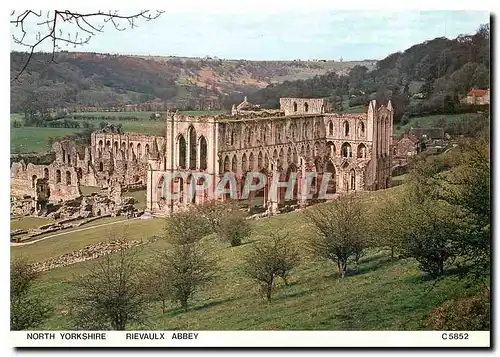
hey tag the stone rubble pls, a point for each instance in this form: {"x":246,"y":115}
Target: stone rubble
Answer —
{"x":89,"y":252}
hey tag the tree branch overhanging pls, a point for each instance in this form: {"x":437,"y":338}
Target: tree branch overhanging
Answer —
{"x":88,"y":24}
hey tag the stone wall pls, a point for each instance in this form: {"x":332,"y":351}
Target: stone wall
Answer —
{"x":295,"y":106}
{"x":62,"y":180}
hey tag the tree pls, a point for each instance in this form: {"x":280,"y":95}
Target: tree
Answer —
{"x":27,"y":310}
{"x":188,"y":226}
{"x":111,"y":295}
{"x":181,"y":272}
{"x":184,"y":268}
{"x":341,"y":232}
{"x":467,"y":188}
{"x":67,"y":26}
{"x":273,"y":256}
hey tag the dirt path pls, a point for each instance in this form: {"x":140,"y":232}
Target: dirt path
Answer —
{"x":13,"y":244}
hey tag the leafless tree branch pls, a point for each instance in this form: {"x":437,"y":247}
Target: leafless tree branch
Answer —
{"x":82,"y":23}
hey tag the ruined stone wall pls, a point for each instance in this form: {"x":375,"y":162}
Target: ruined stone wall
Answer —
{"x":123,"y":157}
{"x":62,"y":180}
{"x":295,"y":106}
{"x":354,"y":148}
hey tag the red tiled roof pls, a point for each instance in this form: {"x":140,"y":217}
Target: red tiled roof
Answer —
{"x":477,"y":92}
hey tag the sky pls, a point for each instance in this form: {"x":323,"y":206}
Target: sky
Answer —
{"x":284,"y":35}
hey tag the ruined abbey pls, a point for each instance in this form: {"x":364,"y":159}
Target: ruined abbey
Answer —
{"x":303,"y":136}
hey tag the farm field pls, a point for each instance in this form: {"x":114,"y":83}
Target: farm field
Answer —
{"x":434,"y":121}
{"x":383,"y":294}
{"x":34,"y":139}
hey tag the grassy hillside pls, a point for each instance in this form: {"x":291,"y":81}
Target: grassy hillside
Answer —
{"x":383,"y":295}
{"x":100,"y":80}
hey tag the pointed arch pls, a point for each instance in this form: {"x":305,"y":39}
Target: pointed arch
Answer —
{"x":181,"y":150}
{"x":352,"y":185}
{"x":203,"y":153}
{"x":160,"y":191}
{"x":146,"y":150}
{"x":234,"y":163}
{"x":260,"y":161}
{"x":330,"y":128}
{"x":346,"y":128}
{"x":244,"y":167}
{"x":346,"y":150}
{"x":251,"y":162}
{"x":361,"y":151}
{"x":192,"y":147}
{"x":58,"y":176}
{"x":289,"y":156}
{"x":332,"y":184}
{"x":226,"y":164}
{"x":331,"y":150}
{"x":139,"y":151}
{"x":361,"y":128}
{"x":46,"y":173}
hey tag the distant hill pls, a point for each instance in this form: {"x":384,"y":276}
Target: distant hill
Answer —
{"x":427,"y":78}
{"x":80,"y":79}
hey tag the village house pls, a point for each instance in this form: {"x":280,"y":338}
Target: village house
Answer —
{"x":477,"y":97}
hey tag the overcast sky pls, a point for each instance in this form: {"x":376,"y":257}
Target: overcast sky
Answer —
{"x":328,"y":34}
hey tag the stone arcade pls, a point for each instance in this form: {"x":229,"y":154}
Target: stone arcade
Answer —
{"x":303,"y":136}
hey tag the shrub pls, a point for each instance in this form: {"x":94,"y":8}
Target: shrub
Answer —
{"x":233,"y":228}
{"x":466,"y":314}
{"x":273,"y":256}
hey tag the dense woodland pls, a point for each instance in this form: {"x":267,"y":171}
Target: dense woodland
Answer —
{"x":428,"y":78}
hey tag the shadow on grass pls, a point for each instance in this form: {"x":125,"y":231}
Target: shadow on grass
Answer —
{"x":374,"y":264}
{"x":178,"y":311}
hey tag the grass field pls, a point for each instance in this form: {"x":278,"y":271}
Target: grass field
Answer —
{"x":34,"y":139}
{"x":382,"y":295}
{"x":434,"y":121}
{"x":140,"y":196}
{"x":28,"y":222}
{"x":66,"y":242}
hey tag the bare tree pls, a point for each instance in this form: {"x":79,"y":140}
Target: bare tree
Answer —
{"x":27,"y":310}
{"x":180,"y":273}
{"x":111,"y":295}
{"x":186,"y":227}
{"x":273,"y":256}
{"x":78,"y":27}
{"x":341,"y":231}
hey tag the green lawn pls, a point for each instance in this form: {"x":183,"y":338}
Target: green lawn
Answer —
{"x":33,"y":139}
{"x":29,"y":222}
{"x":383,"y":295}
{"x":435,"y":121}
{"x":140,"y":196}
{"x":355,"y":110}
{"x":69,"y":241}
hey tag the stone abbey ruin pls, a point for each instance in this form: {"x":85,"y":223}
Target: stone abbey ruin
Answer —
{"x":301,"y":137}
